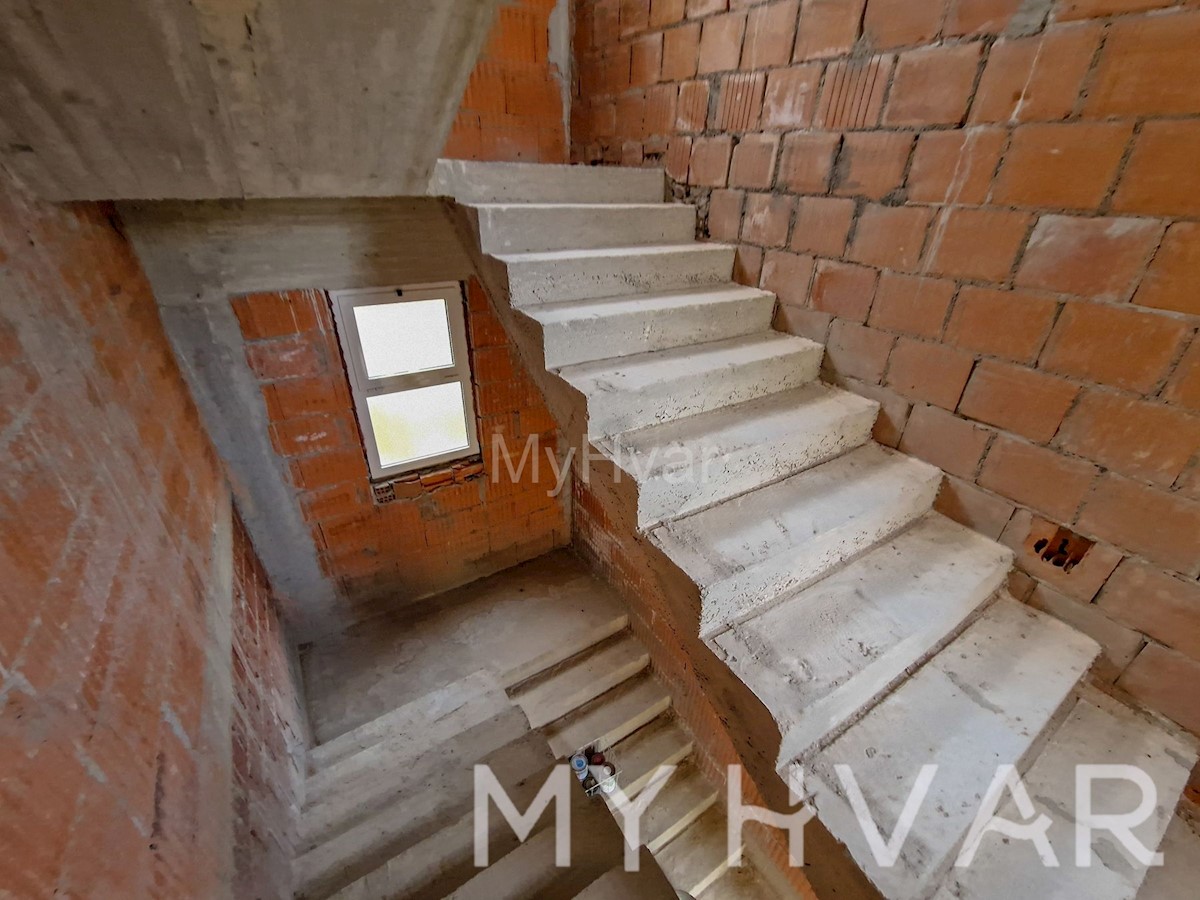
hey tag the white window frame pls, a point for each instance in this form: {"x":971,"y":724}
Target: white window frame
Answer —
{"x":362,"y":387}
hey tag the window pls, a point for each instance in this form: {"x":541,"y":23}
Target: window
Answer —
{"x":406,"y":351}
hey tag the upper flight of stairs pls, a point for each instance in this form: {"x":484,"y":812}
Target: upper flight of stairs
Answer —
{"x":875,"y":631}
{"x":388,"y":810}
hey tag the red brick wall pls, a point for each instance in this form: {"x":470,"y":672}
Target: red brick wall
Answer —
{"x":109,"y":498}
{"x":512,"y":110}
{"x":992,"y":224}
{"x":268,"y":730}
{"x":446,"y":527}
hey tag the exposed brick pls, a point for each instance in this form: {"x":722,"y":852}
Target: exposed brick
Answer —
{"x":853,"y":91}
{"x":1170,"y":282}
{"x":827,"y":28}
{"x":955,"y":166}
{"x":276,"y":315}
{"x":971,"y":506}
{"x":660,"y":109}
{"x":872,"y":164}
{"x":1017,"y":399}
{"x":857,"y":351}
{"x":665,"y":12}
{"x":844,"y":290}
{"x":980,"y":16}
{"x":1148,"y":67}
{"x":1165,"y":680}
{"x":1160,"y":526}
{"x":1036,"y":477}
{"x":807,"y":162}
{"x":912,"y":304}
{"x":1161,"y":177}
{"x":1067,"y":10}
{"x":692,"y":109}
{"x":725,"y":215}
{"x":976,"y":243}
{"x":890,"y":237}
{"x":710,"y":161}
{"x":290,"y":357}
{"x":645,"y":62}
{"x":681,"y":47}
{"x":721,"y":43}
{"x":787,"y":275}
{"x":807,"y":323}
{"x":309,"y":434}
{"x":1037,"y":78}
{"x":1119,"y":645}
{"x":754,"y":161}
{"x":902,"y":23}
{"x":678,"y":158}
{"x":1100,"y":258}
{"x":634,"y":17}
{"x":1061,"y":165}
{"x":739,"y":101}
{"x":1184,"y":385}
{"x":1143,"y":440}
{"x":770,"y":34}
{"x":996,"y":322}
{"x":1112,"y":345}
{"x":822,"y":224}
{"x":631,"y":115}
{"x":934,"y":373}
{"x":698,"y":8}
{"x":790,"y":96}
{"x":747,"y":265}
{"x":1024,"y":533}
{"x":767,"y":219}
{"x":946,"y":441}
{"x":1163,"y":606}
{"x":932,"y":85}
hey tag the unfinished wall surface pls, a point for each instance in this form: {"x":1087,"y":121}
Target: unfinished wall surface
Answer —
{"x":116,"y":552}
{"x":268,"y":732}
{"x":445,"y":527}
{"x":987,"y":210}
{"x":513,"y":108}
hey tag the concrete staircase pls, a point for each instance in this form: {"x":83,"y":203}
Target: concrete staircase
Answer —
{"x":389,"y":803}
{"x":875,"y":632}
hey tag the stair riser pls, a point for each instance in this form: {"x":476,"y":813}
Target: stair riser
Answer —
{"x":741,"y":595}
{"x":530,"y":229}
{"x":568,"y":702}
{"x":500,"y":183}
{"x":584,"y":340}
{"x":610,"y":412}
{"x":669,"y":495}
{"x":588,"y":277}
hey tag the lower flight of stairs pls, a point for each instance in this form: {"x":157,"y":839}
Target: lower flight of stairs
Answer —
{"x":389,"y":804}
{"x":877,"y":633}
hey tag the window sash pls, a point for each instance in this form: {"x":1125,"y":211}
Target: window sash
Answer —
{"x":362,"y":386}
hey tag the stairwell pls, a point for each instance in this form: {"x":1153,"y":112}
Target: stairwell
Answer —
{"x":875,"y":632}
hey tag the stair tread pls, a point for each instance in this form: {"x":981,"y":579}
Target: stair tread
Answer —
{"x":506,"y":228}
{"x":1177,"y":877}
{"x":699,"y":855}
{"x":685,"y":797}
{"x":984,"y":700}
{"x":610,"y":717}
{"x":572,"y":683}
{"x":472,"y":182}
{"x":742,"y":883}
{"x":817,"y":659}
{"x":1099,"y":730}
{"x":753,"y":548}
{"x":698,"y":248}
{"x":574,"y":311}
{"x":661,"y":743}
{"x":647,"y":883}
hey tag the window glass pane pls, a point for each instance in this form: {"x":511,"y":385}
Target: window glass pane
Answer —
{"x":399,"y":338}
{"x":421,"y":422}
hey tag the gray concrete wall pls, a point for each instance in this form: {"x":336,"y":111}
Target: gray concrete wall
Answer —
{"x":199,"y":255}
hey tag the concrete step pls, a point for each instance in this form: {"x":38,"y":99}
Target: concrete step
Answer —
{"x":441,"y":797}
{"x":610,"y":717}
{"x":585,"y":330}
{"x":987,"y":699}
{"x":1177,"y":877}
{"x":700,"y":855}
{"x":822,"y":658}
{"x":535,"y":227}
{"x":740,"y":884}
{"x":675,"y":468}
{"x":627,"y":393}
{"x":490,"y":182}
{"x":639,"y":756}
{"x":582,"y":678}
{"x":686,"y":796}
{"x":1099,"y":730}
{"x":559,"y":275}
{"x":647,"y":883}
{"x":749,"y":551}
